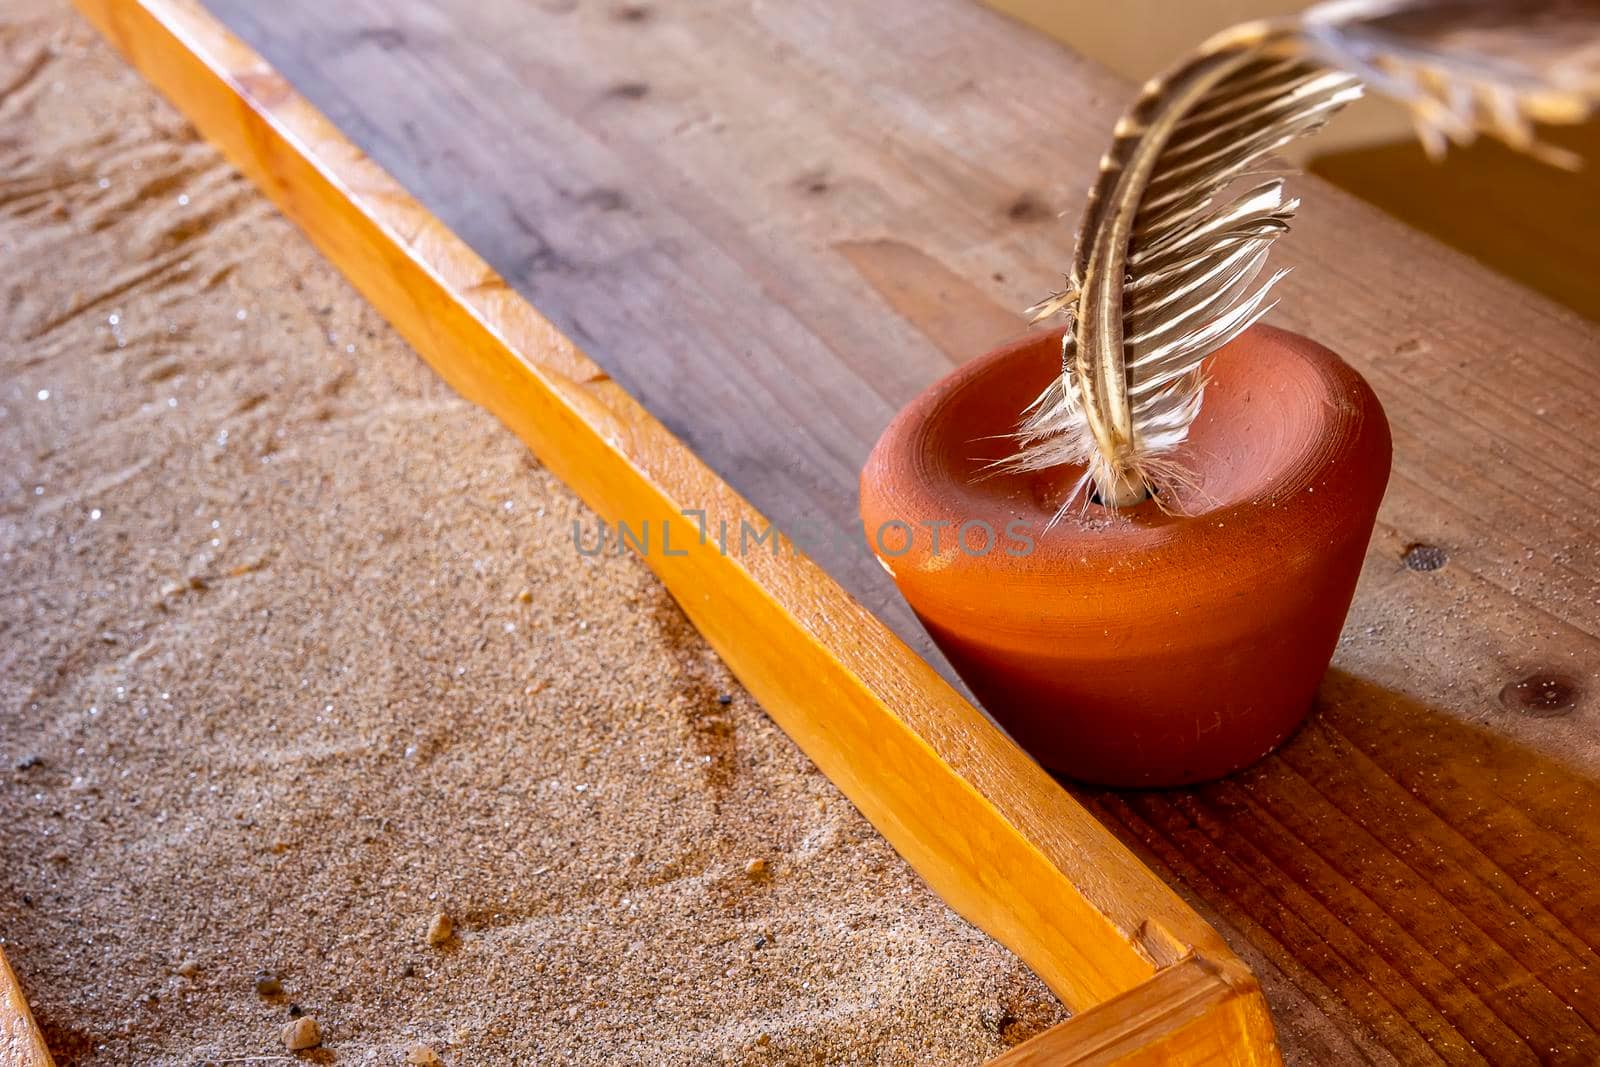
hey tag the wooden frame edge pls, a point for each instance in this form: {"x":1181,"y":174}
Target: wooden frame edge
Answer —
{"x":21,"y":1043}
{"x":1194,"y":1012}
{"x":992,"y":834}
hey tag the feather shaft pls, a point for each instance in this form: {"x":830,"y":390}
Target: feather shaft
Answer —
{"x":1169,"y":253}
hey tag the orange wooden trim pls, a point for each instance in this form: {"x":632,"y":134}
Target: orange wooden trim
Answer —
{"x":21,"y":1044}
{"x":995,"y":836}
{"x":1194,"y":1012}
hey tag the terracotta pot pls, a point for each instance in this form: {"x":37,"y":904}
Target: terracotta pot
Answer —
{"x":1139,"y":648}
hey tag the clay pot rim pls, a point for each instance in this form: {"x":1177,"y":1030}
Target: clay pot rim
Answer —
{"x":1117,"y":549}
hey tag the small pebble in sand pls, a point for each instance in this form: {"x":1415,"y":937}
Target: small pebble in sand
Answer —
{"x":725,"y":699}
{"x":268,"y":985}
{"x":422,"y":1056}
{"x":525,"y":596}
{"x":756,"y":868}
{"x":303,"y":1033}
{"x":188,"y":969}
{"x":440,"y":929}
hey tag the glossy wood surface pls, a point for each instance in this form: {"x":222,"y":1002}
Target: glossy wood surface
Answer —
{"x":21,"y":1044}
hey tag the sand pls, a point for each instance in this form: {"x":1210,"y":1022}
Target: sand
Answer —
{"x":297,"y":653}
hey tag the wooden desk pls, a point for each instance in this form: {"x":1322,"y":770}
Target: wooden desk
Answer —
{"x":773,"y":222}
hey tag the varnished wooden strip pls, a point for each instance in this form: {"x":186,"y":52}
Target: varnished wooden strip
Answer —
{"x":1190,"y":1015}
{"x":990,"y":832}
{"x":21,"y":1044}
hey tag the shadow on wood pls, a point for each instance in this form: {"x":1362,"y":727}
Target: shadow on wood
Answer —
{"x":999,"y":841}
{"x":1384,"y":862}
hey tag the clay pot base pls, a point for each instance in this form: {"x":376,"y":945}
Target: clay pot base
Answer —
{"x":1147,"y":646}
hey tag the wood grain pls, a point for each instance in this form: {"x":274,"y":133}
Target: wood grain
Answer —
{"x":992,"y":834}
{"x":1424,"y":875}
{"x":698,"y":190}
{"x":750,"y":214}
{"x":21,"y":1044}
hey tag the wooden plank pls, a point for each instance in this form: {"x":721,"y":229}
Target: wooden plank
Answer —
{"x":1421,"y":877}
{"x":760,"y":217}
{"x":21,"y":1044}
{"x":1000,"y":841}
{"x":1192,"y":1014}
{"x":705,"y":199}
{"x":790,"y":190}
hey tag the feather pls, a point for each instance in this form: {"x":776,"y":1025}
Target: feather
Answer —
{"x":1171,"y":256}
